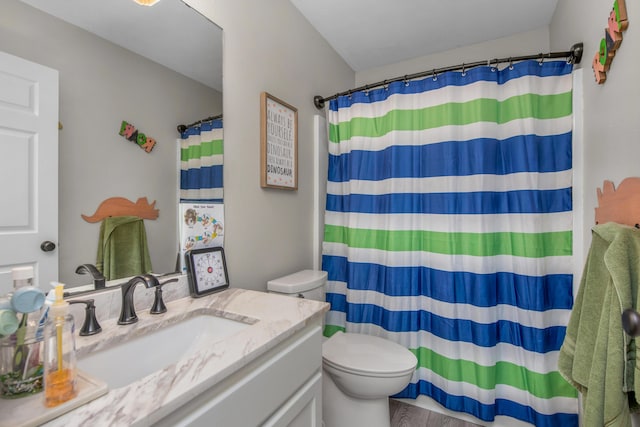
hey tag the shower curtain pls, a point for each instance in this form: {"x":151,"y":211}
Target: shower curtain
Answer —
{"x":201,"y":163}
{"x":448,"y":229}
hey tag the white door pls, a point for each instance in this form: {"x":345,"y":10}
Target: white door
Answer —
{"x":28,"y":170}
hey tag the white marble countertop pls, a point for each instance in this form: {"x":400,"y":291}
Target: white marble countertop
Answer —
{"x":273,"y":319}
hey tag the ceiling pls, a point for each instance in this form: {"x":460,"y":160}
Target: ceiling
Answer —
{"x":169,"y":33}
{"x":365,"y":33}
{"x":373,"y":33}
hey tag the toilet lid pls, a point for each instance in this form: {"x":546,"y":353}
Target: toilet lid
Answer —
{"x":367,"y":354}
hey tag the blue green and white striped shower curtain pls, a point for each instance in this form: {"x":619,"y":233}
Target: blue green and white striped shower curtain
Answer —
{"x":201,"y":162}
{"x":448,"y":229}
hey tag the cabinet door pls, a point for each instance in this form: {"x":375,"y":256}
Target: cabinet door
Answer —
{"x":304,"y":409}
{"x":261,"y":389}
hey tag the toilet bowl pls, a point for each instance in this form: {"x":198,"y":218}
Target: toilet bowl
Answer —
{"x":359,"y":372}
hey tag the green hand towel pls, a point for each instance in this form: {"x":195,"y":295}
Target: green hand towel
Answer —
{"x":122,"y":248}
{"x":597,"y":357}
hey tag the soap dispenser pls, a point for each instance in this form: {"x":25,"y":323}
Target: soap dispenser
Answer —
{"x":59,"y":352}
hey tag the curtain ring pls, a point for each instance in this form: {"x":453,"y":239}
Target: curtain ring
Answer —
{"x":464,"y":72}
{"x":541,"y":59}
{"x":406,"y":82}
{"x":366,"y":90}
{"x":495,"y":67}
{"x":385,"y":85}
{"x":349,"y":95}
{"x":510,"y":64}
{"x":434,"y":76}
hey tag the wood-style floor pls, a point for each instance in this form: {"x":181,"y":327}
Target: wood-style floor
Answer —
{"x":403,"y":415}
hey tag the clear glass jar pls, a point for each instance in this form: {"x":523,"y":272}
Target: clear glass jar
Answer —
{"x":21,"y":362}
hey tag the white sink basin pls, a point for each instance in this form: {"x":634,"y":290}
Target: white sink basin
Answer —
{"x":134,"y":359}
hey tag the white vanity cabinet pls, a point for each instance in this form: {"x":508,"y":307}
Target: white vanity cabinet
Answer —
{"x":267,"y":373}
{"x":283,"y":387}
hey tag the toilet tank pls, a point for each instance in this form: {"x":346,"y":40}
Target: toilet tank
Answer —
{"x":308,"y":284}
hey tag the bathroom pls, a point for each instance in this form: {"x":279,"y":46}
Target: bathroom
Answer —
{"x":274,"y":229}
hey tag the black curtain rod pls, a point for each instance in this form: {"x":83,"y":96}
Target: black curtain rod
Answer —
{"x":574,"y":55}
{"x":182,"y":128}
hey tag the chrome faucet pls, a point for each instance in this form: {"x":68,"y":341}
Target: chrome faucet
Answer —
{"x":98,"y":278}
{"x":128,"y":311}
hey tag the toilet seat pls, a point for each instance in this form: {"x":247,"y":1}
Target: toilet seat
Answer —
{"x":367,"y":355}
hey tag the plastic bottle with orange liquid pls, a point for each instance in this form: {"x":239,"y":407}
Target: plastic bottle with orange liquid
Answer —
{"x":59,"y":353}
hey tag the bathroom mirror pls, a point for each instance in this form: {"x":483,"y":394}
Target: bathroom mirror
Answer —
{"x":153,"y":67}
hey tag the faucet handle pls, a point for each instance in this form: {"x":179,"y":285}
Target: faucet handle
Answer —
{"x":158,"y":303}
{"x":90,"y":325}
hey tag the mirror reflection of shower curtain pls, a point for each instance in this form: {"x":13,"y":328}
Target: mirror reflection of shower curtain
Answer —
{"x":201,"y":215}
{"x":201,"y":163}
{"x":448,"y":229}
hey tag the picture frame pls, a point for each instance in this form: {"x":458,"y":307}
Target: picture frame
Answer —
{"x":206,"y":271}
{"x":278,"y":143}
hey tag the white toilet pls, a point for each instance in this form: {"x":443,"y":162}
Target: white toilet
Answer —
{"x":360,"y":371}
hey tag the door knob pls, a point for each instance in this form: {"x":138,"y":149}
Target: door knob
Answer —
{"x":47,"y":246}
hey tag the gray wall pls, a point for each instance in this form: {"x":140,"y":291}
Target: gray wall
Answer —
{"x":269,"y":46}
{"x":531,"y":42}
{"x":102,"y":84}
{"x":611,"y":116}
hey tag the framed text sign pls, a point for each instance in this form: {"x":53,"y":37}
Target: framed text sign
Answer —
{"x":278,"y":143}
